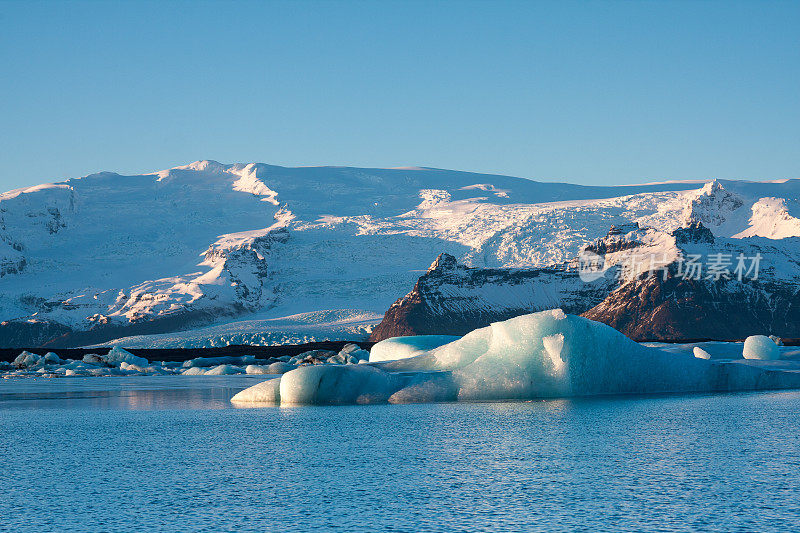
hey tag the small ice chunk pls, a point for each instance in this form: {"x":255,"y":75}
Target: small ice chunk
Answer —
{"x":338,"y":359}
{"x":558,"y":314}
{"x":77,"y":365}
{"x":352,"y":352}
{"x":93,"y":359}
{"x":127,"y":367}
{"x":119,"y":355}
{"x":216,"y":361}
{"x":52,"y":358}
{"x":761,"y":347}
{"x":223,"y":370}
{"x":701,"y":353}
{"x":256,"y":369}
{"x":27,"y":360}
{"x":278,"y":367}
{"x":314,"y":357}
{"x":348,"y":348}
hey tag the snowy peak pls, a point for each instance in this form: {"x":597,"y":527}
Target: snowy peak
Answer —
{"x":747,"y":209}
{"x":771,"y":218}
{"x":205,"y":165}
{"x":713,"y":206}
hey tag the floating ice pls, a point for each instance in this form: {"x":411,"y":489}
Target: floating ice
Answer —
{"x":353,"y":353}
{"x":223,"y":370}
{"x":256,"y":369}
{"x":216,"y":361}
{"x":337,"y":384}
{"x":27,"y":360}
{"x":700,"y":353}
{"x":777,"y":340}
{"x":404,"y":347}
{"x":264,"y":392}
{"x":52,"y":358}
{"x":541,"y":355}
{"x":278,"y":367}
{"x":32,"y":361}
{"x":761,"y":347}
{"x":128,"y":367}
{"x":118,"y":355}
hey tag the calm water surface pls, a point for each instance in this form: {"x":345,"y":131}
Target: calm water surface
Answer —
{"x":167,"y":453}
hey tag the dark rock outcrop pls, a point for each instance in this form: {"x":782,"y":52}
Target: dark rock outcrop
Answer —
{"x":451,"y":299}
{"x":676,"y":309}
{"x":693,"y":233}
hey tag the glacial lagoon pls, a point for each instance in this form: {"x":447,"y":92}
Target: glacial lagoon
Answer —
{"x":155,"y":453}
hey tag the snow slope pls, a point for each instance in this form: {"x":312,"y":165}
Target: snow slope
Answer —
{"x":238,"y":248}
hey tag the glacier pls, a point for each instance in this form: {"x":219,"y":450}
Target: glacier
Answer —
{"x":257,"y":253}
{"x":549,"y":354}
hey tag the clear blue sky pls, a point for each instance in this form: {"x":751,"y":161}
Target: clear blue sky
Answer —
{"x":589,"y":92}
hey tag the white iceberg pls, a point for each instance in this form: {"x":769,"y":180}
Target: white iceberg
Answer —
{"x":53,"y":358}
{"x":223,"y":370}
{"x":27,"y":360}
{"x":118,"y":355}
{"x":700,"y":353}
{"x":194,"y":371}
{"x":114,"y":358}
{"x":278,"y":367}
{"x":404,"y":347}
{"x":222,"y":360}
{"x":353,"y":353}
{"x":541,"y":355}
{"x":761,"y":347}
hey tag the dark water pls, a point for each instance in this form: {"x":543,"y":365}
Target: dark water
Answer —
{"x":170,"y":453}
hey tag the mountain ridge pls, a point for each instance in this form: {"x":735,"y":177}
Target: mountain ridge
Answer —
{"x":91,"y":259}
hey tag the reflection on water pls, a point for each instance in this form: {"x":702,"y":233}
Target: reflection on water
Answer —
{"x":139,"y":392}
{"x":168,"y":453}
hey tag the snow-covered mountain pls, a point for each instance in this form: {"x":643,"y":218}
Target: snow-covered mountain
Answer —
{"x":647,"y":283}
{"x":261,"y":253}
